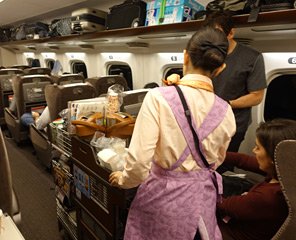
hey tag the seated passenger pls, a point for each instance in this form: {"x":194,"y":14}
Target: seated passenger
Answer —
{"x":41,"y":121}
{"x":28,"y":118}
{"x":151,"y":85}
{"x":259,"y":213}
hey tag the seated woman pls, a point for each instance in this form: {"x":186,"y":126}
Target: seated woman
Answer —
{"x":259,"y":213}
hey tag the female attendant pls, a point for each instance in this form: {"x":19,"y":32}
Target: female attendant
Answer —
{"x":174,"y":156}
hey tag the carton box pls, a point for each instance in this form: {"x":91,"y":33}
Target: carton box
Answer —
{"x":172,"y":11}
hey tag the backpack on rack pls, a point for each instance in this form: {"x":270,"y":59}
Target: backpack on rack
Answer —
{"x":234,"y":7}
{"x":31,"y":30}
{"x":269,"y":5}
{"x":5,"y":34}
{"x":60,"y":27}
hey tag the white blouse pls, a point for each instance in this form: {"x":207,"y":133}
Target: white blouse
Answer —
{"x":157,"y":135}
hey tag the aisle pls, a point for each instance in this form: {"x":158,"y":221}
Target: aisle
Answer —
{"x":35,"y":189}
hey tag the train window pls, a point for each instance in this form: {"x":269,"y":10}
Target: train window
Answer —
{"x":170,"y":71}
{"x":49,"y":63}
{"x":29,"y":61}
{"x":35,"y":63}
{"x":124,"y":70}
{"x":79,"y":67}
{"x":280,"y":98}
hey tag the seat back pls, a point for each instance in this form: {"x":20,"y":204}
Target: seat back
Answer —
{"x":132,"y":101}
{"x":5,"y":179}
{"x":285,"y":163}
{"x":28,"y":95}
{"x":102,"y":84}
{"x":6,"y":91}
{"x":69,"y":78}
{"x":57,"y":96}
{"x":37,"y":70}
{"x":8,"y":200}
{"x":29,"y":92}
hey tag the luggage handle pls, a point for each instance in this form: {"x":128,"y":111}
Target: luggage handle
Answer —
{"x":254,"y":12}
{"x":162,"y":10}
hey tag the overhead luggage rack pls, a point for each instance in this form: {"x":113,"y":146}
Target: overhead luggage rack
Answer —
{"x":144,"y":33}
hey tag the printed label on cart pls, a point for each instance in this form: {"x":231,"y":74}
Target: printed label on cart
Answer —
{"x":78,"y":194}
{"x":81,"y":181}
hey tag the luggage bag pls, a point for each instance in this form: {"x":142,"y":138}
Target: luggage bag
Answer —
{"x":60,"y":27}
{"x":88,"y":20}
{"x":131,"y":13}
{"x":268,"y":5}
{"x":31,"y":31}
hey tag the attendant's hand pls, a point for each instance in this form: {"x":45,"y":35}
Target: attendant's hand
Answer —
{"x":114,"y":178}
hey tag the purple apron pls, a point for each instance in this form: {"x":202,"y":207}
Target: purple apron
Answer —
{"x":171,"y":205}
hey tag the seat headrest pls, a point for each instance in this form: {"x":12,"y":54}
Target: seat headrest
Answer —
{"x":11,"y":71}
{"x":37,"y":70}
{"x":103,"y":83}
{"x":70,"y":78}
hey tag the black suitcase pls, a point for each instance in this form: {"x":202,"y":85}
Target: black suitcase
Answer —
{"x":88,"y":20}
{"x":131,"y":13}
{"x":275,"y":5}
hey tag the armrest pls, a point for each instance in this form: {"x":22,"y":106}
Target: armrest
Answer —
{"x":10,"y":114}
{"x":40,"y":133}
{"x":16,"y":213}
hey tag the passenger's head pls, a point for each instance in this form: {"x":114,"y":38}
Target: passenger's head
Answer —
{"x":151,"y":85}
{"x":206,"y":50}
{"x":268,"y":136}
{"x":221,"y":20}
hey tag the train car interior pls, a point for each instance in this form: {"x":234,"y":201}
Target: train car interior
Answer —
{"x":92,"y":77}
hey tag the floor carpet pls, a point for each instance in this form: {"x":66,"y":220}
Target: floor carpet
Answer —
{"x":34,"y":187}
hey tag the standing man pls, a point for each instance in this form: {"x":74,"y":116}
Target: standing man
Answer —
{"x":242,"y":82}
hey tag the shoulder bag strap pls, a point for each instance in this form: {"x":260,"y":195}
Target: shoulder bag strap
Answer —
{"x":188,"y":116}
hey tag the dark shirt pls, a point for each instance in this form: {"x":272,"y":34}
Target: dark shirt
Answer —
{"x":258,"y":214}
{"x":244,"y":73}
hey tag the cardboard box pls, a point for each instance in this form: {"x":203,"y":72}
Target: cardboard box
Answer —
{"x":174,"y":11}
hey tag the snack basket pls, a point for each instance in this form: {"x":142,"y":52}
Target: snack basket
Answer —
{"x":60,"y":138}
